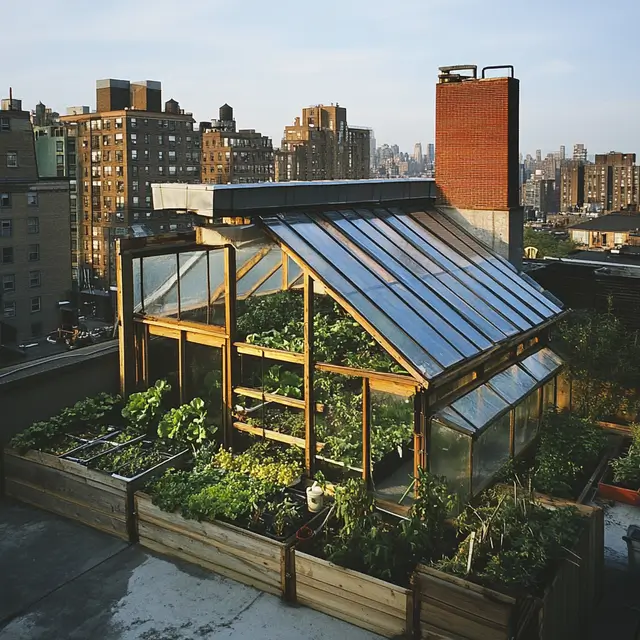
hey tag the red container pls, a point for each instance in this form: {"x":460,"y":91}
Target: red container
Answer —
{"x":619,"y":494}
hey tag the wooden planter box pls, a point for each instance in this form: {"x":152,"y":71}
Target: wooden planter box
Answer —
{"x":223,"y":548}
{"x":95,"y":498}
{"x":451,"y":608}
{"x":366,"y":602}
{"x":610,"y":491}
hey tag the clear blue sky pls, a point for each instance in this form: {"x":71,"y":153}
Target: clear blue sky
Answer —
{"x":577,"y":60}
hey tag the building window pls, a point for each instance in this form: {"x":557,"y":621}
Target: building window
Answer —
{"x":34,"y":279}
{"x":33,"y":225}
{"x":160,"y":156}
{"x":161,"y":170}
{"x":9,"y":308}
{"x":5,"y":124}
{"x":134,"y":138}
{"x":119,"y":138}
{"x":12,"y":158}
{"x":34,"y":252}
{"x":172,"y":156}
{"x":36,"y":329}
{"x":133,"y":123}
{"x":148,"y":201}
{"x":134,"y":170}
{"x":118,"y":122}
{"x":106,"y":124}
{"x":135,"y":185}
{"x":32,"y":199}
{"x":172,"y":171}
{"x":5,"y":200}
{"x":147,"y":138}
{"x":146,"y":154}
{"x":160,"y":139}
{"x":134,"y":154}
{"x":9,"y":283}
{"x":36,"y":304}
{"x":135,"y":201}
{"x":106,"y":141}
{"x":6,"y":227}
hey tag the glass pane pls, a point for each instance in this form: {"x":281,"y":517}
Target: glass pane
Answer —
{"x":527,"y":421}
{"x":204,"y":378}
{"x":193,"y":286}
{"x":163,"y":365}
{"x":272,"y":284}
{"x":480,"y":406}
{"x":159,"y":285}
{"x":512,"y":383}
{"x":216,"y":286}
{"x":549,"y":395}
{"x":253,"y":265}
{"x":449,"y":457}
{"x":542,"y":363}
{"x":339,"y":426}
{"x":137,"y":285}
{"x":450,"y":325}
{"x":295,"y":272}
{"x":490,"y":452}
{"x":398,"y":257}
{"x":451,"y":415}
{"x":393,"y":331}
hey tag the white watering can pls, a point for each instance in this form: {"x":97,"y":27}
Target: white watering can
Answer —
{"x":315,"y":498}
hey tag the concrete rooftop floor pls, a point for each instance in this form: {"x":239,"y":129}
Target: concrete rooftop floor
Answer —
{"x":60,"y":580}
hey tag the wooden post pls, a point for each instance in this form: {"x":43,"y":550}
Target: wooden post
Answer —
{"x":229,"y":355}
{"x":145,"y":356}
{"x":126,"y":343}
{"x":285,"y":271}
{"x":366,"y":432}
{"x":420,"y":438}
{"x":182,"y":366}
{"x":309,"y":402}
{"x":512,"y":432}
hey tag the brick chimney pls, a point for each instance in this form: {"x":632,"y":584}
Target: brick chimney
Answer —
{"x":477,"y":155}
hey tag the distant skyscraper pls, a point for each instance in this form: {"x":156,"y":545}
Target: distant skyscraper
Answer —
{"x":563,"y":152}
{"x":538,"y":155}
{"x":417,"y":152}
{"x":431,"y":156}
{"x":579,"y":152}
{"x":372,"y":152}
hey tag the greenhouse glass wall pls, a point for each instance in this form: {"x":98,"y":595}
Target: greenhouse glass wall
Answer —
{"x":380,"y":338}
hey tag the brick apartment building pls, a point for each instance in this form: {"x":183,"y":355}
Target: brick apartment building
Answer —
{"x":232,"y":156}
{"x":322,"y":146}
{"x":35,"y":250}
{"x":129,"y":142}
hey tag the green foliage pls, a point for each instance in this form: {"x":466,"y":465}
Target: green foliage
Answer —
{"x":187,"y":424}
{"x":626,"y":470}
{"x":516,"y":540}
{"x":144,"y":409}
{"x":286,"y":515}
{"x":261,"y":313}
{"x":547,"y":244}
{"x":569,"y":448}
{"x":90,"y":416}
{"x":604,"y":363}
{"x":263,"y":461}
{"x":131,"y":460}
{"x":361,"y":538}
{"x":283,"y":382}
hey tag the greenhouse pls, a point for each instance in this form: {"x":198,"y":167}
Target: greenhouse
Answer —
{"x":352,"y":320}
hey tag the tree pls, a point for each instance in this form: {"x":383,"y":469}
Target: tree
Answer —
{"x":547,"y":244}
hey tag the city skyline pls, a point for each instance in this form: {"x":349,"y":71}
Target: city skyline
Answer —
{"x":379,"y":62}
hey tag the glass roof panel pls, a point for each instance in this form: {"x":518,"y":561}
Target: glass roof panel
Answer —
{"x":480,"y":406}
{"x":449,"y":414}
{"x":512,"y":383}
{"x":256,"y":273}
{"x":542,"y":363}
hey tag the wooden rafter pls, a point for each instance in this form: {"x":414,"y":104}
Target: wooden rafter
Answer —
{"x":260,"y":282}
{"x":242,"y":271}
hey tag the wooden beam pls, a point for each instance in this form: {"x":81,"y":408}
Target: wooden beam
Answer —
{"x":246,"y":349}
{"x":182,"y":367}
{"x":269,"y":397}
{"x":165,"y":332}
{"x":179,"y":325}
{"x":392,"y":387}
{"x":274,"y":435}
{"x":145,"y":355}
{"x":366,"y":433}
{"x":126,"y":343}
{"x":285,"y":272}
{"x":230,"y":354}
{"x":391,"y":378}
{"x":242,"y":271}
{"x":208,"y":340}
{"x":309,"y":413}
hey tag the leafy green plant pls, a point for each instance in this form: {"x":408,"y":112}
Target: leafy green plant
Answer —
{"x":187,"y":424}
{"x":144,"y":409}
{"x":130,"y":461}
{"x":287,"y":514}
{"x":569,"y":446}
{"x":626,"y":469}
{"x":515,"y":539}
{"x":283,"y":382}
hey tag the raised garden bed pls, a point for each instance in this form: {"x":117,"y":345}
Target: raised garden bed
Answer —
{"x":231,"y":551}
{"x":608,"y":490}
{"x":452,"y":607}
{"x":101,"y":500}
{"x":354,"y":597}
{"x":621,"y":480}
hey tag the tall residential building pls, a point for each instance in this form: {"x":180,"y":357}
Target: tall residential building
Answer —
{"x":232,"y":156}
{"x":538,"y":155}
{"x":35,"y":253}
{"x":540,"y":195}
{"x":372,"y":152}
{"x":128,"y":143}
{"x":563,"y":152}
{"x":55,"y":146}
{"x":619,"y":179}
{"x":571,"y":185}
{"x":579,"y":152}
{"x":321,"y":146}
